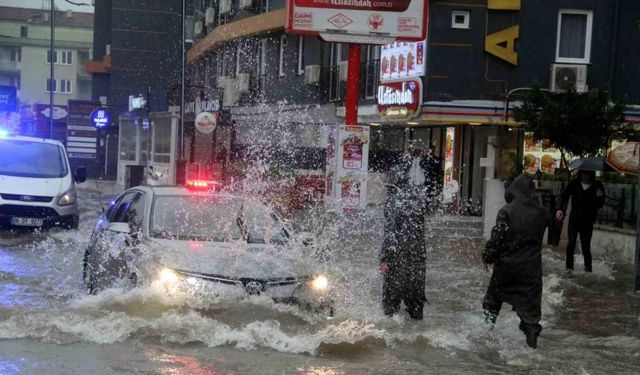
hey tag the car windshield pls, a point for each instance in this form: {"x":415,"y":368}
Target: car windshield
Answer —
{"x":197,"y":218}
{"x":22,"y":158}
{"x":263,"y":225}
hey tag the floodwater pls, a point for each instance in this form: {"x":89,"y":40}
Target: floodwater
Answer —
{"x":49,"y":326}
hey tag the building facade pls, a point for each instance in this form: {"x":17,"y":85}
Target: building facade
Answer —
{"x":25,"y":57}
{"x":481,"y":58}
{"x":137,"y":49}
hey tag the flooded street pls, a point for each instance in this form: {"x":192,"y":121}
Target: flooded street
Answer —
{"x":48,"y":325}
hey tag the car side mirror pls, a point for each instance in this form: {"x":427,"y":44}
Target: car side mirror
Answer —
{"x":119,"y":228}
{"x":80,"y":175}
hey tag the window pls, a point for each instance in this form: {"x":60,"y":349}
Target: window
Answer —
{"x":460,"y":19}
{"x":49,"y":85}
{"x":300,"y":55}
{"x":283,"y":44}
{"x":66,"y":57}
{"x":16,"y":54}
{"x":574,"y":36}
{"x":55,"y":57}
{"x":24,"y":31}
{"x":65,"y":86}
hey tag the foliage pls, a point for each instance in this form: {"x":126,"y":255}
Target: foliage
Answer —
{"x":582,"y":124}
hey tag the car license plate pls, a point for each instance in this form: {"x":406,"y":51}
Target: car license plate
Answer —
{"x":26,"y":221}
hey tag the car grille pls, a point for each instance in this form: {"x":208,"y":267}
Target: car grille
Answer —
{"x":30,"y":198}
{"x":27,"y":211}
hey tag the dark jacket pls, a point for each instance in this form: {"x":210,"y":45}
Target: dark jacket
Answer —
{"x":515,"y":248}
{"x":404,"y":245}
{"x":432,"y":169}
{"x":584,"y":203}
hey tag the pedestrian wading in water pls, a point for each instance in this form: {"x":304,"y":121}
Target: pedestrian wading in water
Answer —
{"x":514,"y":251}
{"x":587,"y":196}
{"x":403,"y":255}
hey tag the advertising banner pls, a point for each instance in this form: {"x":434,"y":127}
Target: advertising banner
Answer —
{"x":81,"y":134}
{"x":8,"y":99}
{"x":401,"y":19}
{"x":347,"y":167}
{"x":402,"y":60}
{"x":400,"y":100}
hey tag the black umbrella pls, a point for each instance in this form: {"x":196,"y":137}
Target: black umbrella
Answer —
{"x":588,"y":164}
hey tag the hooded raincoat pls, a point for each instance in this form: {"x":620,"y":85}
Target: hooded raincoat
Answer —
{"x":515,"y":252}
{"x":404,"y":248}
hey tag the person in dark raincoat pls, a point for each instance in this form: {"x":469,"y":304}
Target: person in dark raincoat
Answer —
{"x":587,"y":196}
{"x":514,"y":250}
{"x":403,"y":255}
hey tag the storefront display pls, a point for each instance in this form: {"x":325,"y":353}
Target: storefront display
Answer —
{"x":540,"y":156}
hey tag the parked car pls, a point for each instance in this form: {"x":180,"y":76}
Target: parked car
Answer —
{"x":37,"y":188}
{"x":195,"y":240}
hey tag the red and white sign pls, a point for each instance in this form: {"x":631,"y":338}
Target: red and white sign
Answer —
{"x":400,"y":19}
{"x":400,"y":100}
{"x":206,"y":122}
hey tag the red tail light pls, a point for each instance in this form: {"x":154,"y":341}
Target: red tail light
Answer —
{"x":199,"y":184}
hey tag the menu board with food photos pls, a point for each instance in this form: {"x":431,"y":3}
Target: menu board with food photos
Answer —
{"x":402,"y":59}
{"x":540,"y":155}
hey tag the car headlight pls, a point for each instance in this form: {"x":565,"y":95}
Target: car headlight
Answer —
{"x":168,"y":277}
{"x":320,"y":283}
{"x":67,"y":198}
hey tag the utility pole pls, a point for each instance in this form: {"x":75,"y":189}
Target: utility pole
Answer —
{"x":51,"y":66}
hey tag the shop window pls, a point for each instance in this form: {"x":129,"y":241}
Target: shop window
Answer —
{"x":128,"y":136}
{"x":574,"y":36}
{"x":162,"y":142}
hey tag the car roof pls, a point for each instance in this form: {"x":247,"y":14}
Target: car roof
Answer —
{"x":175,"y":190}
{"x":33,"y":139}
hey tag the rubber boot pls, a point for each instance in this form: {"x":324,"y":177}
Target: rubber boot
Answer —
{"x":531,"y":333}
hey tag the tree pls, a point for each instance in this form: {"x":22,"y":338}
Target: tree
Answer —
{"x":582,"y":124}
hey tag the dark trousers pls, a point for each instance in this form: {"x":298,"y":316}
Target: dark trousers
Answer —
{"x":585,"y":230}
{"x":491,"y":304}
{"x":408,"y":287}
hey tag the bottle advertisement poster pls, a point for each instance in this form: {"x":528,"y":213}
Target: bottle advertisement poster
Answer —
{"x":347,"y":166}
{"x":402,"y":59}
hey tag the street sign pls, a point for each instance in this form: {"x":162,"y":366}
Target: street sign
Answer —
{"x":350,"y":20}
{"x":206,"y":122}
{"x":100,"y":118}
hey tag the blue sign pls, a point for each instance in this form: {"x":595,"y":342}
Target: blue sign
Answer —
{"x":8,"y":99}
{"x":100,"y":118}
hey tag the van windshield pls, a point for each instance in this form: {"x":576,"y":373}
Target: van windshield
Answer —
{"x":22,"y":158}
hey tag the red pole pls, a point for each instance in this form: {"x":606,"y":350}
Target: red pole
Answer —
{"x":353,"y":85}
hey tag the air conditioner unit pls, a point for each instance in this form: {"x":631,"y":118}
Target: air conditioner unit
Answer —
{"x":342,"y":70}
{"x":311,"y":74}
{"x":197,"y":27}
{"x":246,"y":4}
{"x":231,"y":95}
{"x":566,"y":77}
{"x":209,"y":16}
{"x":243,"y":82}
{"x":224,"y":6}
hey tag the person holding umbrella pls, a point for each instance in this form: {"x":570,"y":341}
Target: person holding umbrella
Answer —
{"x":587,"y":196}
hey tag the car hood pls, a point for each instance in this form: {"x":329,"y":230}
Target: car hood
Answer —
{"x":48,"y":187}
{"x":233,"y":260}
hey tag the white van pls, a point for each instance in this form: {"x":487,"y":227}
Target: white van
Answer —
{"x":37,"y":188}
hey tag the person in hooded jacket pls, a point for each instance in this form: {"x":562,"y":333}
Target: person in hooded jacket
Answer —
{"x":514,"y":250}
{"x":403,"y":255}
{"x":587,"y":196}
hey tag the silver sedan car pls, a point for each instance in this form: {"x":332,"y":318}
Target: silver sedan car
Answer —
{"x":197,"y":240}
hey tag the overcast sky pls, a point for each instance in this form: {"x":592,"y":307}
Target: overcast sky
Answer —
{"x":60,"y":4}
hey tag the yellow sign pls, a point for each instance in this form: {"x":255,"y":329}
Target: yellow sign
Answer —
{"x":503,"y":4}
{"x":503,"y":44}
